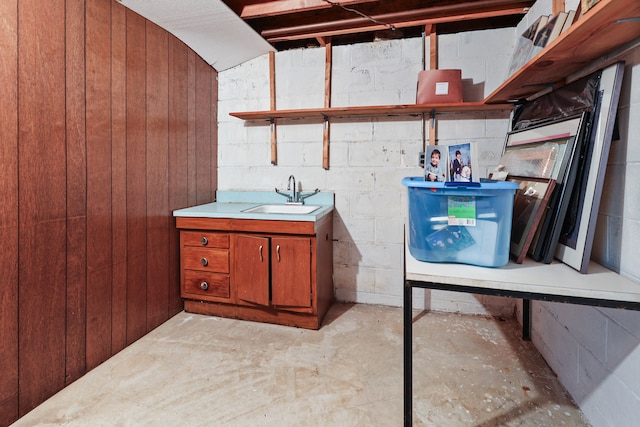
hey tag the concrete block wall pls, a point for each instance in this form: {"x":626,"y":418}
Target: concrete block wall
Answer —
{"x":595,"y":351}
{"x":368,"y":156}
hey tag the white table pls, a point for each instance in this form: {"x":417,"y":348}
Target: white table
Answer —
{"x":530,"y":281}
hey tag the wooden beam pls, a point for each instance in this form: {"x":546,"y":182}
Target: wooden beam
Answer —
{"x":327,"y":74}
{"x":433,"y":65}
{"x":327,"y":104}
{"x":272,"y":92}
{"x":404,"y":19}
{"x":433,"y":49}
{"x":285,"y":7}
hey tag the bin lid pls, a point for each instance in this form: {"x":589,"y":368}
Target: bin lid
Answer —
{"x":419,"y":181}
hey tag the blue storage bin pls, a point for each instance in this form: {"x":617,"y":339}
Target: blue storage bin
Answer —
{"x":467,"y":223}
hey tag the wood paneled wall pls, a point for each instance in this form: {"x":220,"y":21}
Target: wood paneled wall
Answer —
{"x":107,"y":124}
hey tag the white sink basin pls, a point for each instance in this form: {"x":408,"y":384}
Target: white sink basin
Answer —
{"x":283,"y":209}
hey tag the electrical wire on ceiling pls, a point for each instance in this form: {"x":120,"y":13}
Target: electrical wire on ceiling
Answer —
{"x":364,"y":15}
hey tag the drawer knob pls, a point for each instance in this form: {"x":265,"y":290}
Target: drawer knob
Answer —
{"x":204,"y":286}
{"x":204,"y":262}
{"x":204,"y":241}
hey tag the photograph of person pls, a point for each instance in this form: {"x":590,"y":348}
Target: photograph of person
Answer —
{"x":435,"y":166}
{"x":460,"y":163}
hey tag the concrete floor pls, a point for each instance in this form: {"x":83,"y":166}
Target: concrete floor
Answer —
{"x":207,"y":371}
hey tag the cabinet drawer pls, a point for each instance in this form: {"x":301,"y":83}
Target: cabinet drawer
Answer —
{"x":211,"y":260}
{"x":201,"y":284}
{"x":205,"y":239}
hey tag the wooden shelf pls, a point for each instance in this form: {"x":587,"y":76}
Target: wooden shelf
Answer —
{"x":609,"y":25}
{"x":362,"y":111}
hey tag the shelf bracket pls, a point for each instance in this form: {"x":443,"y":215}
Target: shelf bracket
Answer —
{"x":432,"y":118}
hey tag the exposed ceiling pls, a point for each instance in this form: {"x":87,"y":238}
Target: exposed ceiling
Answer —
{"x":208,"y":27}
{"x":294,"y":23}
{"x":226,"y":33}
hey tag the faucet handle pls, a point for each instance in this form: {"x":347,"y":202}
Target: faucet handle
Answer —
{"x":288,"y":196}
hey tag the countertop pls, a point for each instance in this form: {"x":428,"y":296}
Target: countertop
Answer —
{"x":231,"y":204}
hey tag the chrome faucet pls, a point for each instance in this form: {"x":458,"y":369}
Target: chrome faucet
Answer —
{"x":294,"y":194}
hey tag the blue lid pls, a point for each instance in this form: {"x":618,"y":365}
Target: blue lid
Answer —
{"x":418,"y":181}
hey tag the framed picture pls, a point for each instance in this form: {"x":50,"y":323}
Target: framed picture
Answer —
{"x":435,"y":164}
{"x":542,"y":151}
{"x":529,"y":204}
{"x":552,"y":131}
{"x":547,"y":240}
{"x":576,"y":240}
{"x":548,"y":151}
{"x":585,"y":5}
{"x":532,"y":160}
{"x":462,"y":162}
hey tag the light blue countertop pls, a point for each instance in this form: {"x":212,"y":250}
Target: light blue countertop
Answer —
{"x":231,"y":204}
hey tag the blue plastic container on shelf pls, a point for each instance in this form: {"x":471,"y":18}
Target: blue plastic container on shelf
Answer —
{"x":466,"y":223}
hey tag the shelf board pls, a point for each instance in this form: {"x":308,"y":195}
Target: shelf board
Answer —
{"x":363,"y":111}
{"x":605,"y":27}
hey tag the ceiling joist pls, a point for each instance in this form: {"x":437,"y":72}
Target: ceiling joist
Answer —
{"x":285,"y":7}
{"x":288,"y":24}
{"x":422,"y":17}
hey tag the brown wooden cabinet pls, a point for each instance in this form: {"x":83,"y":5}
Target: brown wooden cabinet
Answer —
{"x":274,"y":271}
{"x":251,"y":271}
{"x":205,"y":265}
{"x":267,"y":271}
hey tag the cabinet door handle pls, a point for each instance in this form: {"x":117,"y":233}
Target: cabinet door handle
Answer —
{"x":260,"y":251}
{"x":204,"y":286}
{"x":204,"y":241}
{"x":204,"y":261}
{"x":278,"y":252}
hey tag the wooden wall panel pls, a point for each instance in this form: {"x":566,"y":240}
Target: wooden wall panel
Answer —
{"x":178,"y":159}
{"x":204,"y":182}
{"x":157,"y":131}
{"x":42,"y":200}
{"x":103,"y":134}
{"x":203,"y":132}
{"x":9,"y":212}
{"x":213,"y":138}
{"x":191,"y":129}
{"x":136,"y":179}
{"x":119,"y":176}
{"x":76,"y":193}
{"x":99,"y":234}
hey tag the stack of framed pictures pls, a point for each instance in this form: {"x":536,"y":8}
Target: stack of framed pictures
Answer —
{"x":560,"y":167}
{"x":541,"y":159}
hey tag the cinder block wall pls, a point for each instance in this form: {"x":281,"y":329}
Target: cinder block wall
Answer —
{"x":595,"y":352}
{"x":368,"y":156}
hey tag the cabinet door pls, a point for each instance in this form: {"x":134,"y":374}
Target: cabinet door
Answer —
{"x":291,"y":272}
{"x":252,"y":269}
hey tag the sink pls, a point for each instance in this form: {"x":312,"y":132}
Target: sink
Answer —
{"x":283,"y":209}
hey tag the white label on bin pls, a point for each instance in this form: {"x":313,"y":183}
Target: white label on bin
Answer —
{"x":461,"y":210}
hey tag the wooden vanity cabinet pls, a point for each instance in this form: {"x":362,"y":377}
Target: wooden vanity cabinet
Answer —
{"x":266,"y":271}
